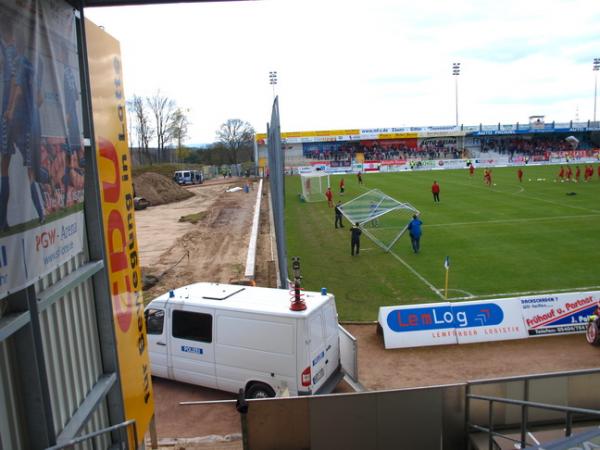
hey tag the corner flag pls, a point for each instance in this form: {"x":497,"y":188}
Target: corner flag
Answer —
{"x":447,"y":267}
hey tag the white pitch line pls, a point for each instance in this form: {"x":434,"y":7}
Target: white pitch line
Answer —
{"x":418,"y":275}
{"x":520,"y":294}
{"x":525,"y":196}
{"x":469,"y":295}
{"x":491,"y":222}
{"x":532,"y":219}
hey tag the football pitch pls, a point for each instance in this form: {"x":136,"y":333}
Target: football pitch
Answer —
{"x":510,"y":239}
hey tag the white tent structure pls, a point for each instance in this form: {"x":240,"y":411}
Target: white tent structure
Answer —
{"x":314,"y":185}
{"x":382,"y":218}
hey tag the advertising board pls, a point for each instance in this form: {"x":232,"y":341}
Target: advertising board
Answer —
{"x":118,"y":219}
{"x":41,"y":141}
{"x":558,"y":313}
{"x":417,"y":325}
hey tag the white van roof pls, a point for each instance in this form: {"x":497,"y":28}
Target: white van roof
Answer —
{"x":241,"y":298}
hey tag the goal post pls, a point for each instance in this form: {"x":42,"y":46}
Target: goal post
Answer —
{"x":314,"y":185}
{"x":382,"y":218}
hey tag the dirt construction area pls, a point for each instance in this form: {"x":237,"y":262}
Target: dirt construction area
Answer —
{"x":213,"y":246}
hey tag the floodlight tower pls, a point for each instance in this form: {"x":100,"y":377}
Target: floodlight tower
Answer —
{"x":273,"y":80}
{"x":596,"y":68}
{"x":456,"y":73}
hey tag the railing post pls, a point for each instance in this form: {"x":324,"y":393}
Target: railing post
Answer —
{"x":524,"y":411}
{"x":568,"y":428}
{"x":490,"y":426}
{"x":523,"y":426}
{"x":467,"y":414}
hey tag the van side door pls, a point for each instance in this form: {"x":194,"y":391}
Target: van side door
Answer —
{"x":317,"y":349}
{"x":332,"y":338}
{"x":191,"y":346}
{"x":157,"y":341}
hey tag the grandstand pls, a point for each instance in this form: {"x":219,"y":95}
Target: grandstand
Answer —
{"x":397,"y":149}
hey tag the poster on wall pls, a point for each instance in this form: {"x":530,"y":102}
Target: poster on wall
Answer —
{"x":41,"y":142}
{"x":118,"y":221}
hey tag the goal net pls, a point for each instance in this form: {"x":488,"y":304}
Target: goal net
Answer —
{"x":314,"y":185}
{"x":382,"y":218}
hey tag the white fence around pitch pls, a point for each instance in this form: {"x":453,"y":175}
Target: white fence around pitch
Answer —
{"x":486,"y":320}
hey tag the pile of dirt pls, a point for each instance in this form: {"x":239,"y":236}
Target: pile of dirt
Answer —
{"x":158,"y":189}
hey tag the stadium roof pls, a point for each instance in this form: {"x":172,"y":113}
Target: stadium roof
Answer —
{"x":136,"y":2}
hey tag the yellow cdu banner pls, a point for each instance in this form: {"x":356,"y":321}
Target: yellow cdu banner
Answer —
{"x":114,"y":167}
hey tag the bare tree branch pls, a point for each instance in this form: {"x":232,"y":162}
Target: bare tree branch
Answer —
{"x":235,"y":135}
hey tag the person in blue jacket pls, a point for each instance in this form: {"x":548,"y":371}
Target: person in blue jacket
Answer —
{"x":414,"y":229}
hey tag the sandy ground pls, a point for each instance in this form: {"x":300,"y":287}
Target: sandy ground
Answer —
{"x":217,"y":247}
{"x":214,"y":249}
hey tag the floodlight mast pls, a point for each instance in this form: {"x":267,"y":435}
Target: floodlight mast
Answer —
{"x":273,"y":80}
{"x":456,"y":73}
{"x":596,"y":67}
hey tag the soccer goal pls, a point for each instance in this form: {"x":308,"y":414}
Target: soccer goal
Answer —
{"x":382,"y":218}
{"x":314,"y":185}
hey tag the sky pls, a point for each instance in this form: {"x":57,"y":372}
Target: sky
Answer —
{"x":361,"y":64}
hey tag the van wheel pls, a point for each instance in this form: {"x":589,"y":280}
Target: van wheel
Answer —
{"x":592,"y":333}
{"x":259,"y":390}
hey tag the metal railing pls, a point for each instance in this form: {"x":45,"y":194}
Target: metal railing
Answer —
{"x":524,"y":420}
{"x":123,"y":442}
{"x":525,"y":405}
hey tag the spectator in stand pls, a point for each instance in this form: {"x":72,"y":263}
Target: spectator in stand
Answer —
{"x":329,"y":196}
{"x":520,"y":175}
{"x":435,"y":190}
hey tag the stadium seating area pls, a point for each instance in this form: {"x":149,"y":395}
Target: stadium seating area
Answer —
{"x":431,"y":150}
{"x":537,"y":148}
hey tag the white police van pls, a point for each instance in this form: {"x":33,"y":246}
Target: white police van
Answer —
{"x":188,"y":177}
{"x":232,"y":337}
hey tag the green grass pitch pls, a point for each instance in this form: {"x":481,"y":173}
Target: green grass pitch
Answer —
{"x":505,"y":240}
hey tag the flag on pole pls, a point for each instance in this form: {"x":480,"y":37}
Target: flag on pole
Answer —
{"x":447,"y":266}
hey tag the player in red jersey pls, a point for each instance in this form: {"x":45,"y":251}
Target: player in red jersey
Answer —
{"x":569,"y":173}
{"x":520,"y":175}
{"x":471,"y":170}
{"x":577,"y":174}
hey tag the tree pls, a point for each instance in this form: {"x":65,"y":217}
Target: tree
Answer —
{"x":236,"y":135}
{"x":142,"y":127}
{"x":163,"y":109}
{"x":178,"y":130}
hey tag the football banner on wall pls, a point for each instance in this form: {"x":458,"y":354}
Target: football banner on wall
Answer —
{"x":559,"y":313}
{"x":114,"y":167}
{"x":41,"y":144}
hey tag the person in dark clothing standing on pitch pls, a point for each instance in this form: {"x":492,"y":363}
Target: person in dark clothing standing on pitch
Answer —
{"x":435,"y":190}
{"x":355,"y":239}
{"x":338,"y":215}
{"x":414,"y":229}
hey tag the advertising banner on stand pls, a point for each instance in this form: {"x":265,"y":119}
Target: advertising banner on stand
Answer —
{"x":114,"y":166}
{"x":417,"y":325}
{"x":41,"y":144}
{"x":488,"y":320}
{"x":559,"y":313}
